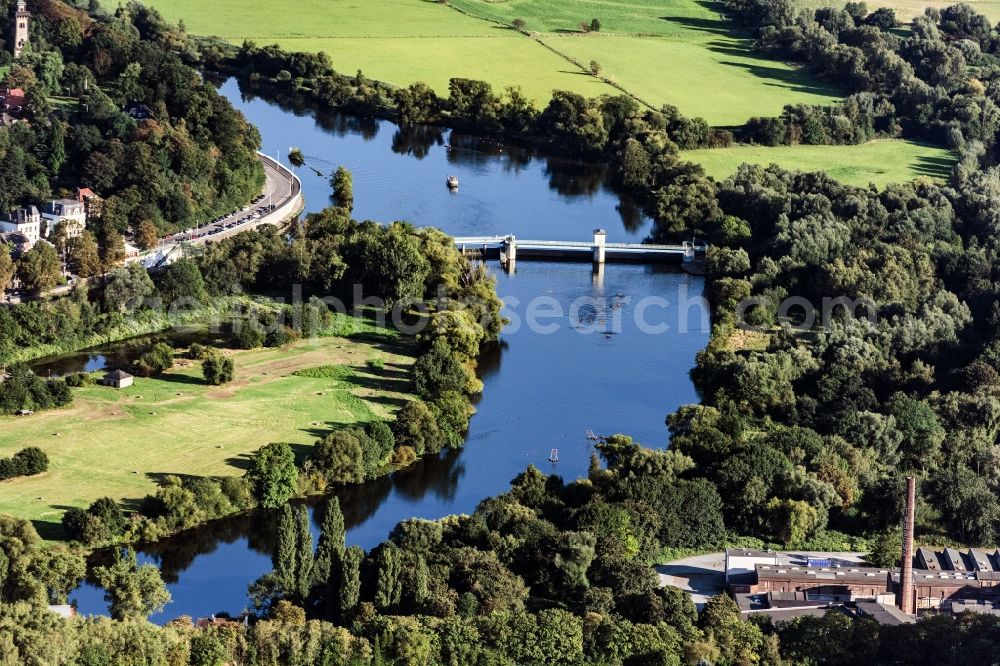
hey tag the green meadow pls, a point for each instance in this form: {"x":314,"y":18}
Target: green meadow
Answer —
{"x":663,"y":51}
{"x":680,"y":52}
{"x":715,"y":77}
{"x":119,"y":443}
{"x":907,"y":9}
{"x":878,"y":162}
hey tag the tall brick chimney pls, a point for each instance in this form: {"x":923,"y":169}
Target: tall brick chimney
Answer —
{"x":905,"y":596}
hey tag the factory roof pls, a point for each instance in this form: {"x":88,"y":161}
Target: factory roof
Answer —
{"x":884,"y":614}
{"x":854,"y":574}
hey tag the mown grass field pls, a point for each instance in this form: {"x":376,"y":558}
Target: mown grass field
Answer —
{"x":119,"y":443}
{"x":399,"y":41}
{"x":664,"y":51}
{"x":502,"y":60}
{"x":714,"y":77}
{"x":878,"y":162}
{"x":907,"y":9}
{"x":680,"y":52}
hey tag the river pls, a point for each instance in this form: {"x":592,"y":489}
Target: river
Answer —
{"x":399,"y":174}
{"x":616,"y":360}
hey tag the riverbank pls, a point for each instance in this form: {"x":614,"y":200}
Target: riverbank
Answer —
{"x":121,"y":443}
{"x":142,"y":322}
{"x":713,"y":71}
{"x":630,"y":380}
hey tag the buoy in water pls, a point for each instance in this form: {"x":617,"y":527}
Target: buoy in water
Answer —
{"x":554,"y":455}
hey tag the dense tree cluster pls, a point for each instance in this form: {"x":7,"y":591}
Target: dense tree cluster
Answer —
{"x":104,"y":519}
{"x":26,"y":462}
{"x":21,"y":389}
{"x":354,"y":455}
{"x":132,"y":590}
{"x":30,"y":572}
{"x":178,"y":504}
{"x":550,"y":636}
{"x":218,"y":368}
{"x":811,"y":422}
{"x":193,"y":159}
{"x":124,"y":303}
{"x":38,"y":269}
{"x":935,"y":82}
{"x":564,"y":564}
{"x":158,"y":359}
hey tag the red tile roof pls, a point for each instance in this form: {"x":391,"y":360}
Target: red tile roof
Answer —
{"x":15,"y":97}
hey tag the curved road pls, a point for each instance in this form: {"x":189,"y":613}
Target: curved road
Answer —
{"x":280,"y":187}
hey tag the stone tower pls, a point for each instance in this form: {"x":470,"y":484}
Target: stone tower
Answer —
{"x":21,"y":27}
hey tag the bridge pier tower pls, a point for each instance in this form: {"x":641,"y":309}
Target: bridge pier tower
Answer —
{"x":600,"y":235}
{"x":510,"y":251}
{"x":597,"y":276}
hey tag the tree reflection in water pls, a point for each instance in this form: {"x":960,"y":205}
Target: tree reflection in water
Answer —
{"x":633,"y":219}
{"x":439,"y":475}
{"x":469,"y":149}
{"x":570,"y":178}
{"x":416,"y":140}
{"x":465,"y":154}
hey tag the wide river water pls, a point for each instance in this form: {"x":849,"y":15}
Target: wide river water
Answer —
{"x":610,"y":353}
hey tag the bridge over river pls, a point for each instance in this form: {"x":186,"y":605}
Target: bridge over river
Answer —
{"x":690,"y":255}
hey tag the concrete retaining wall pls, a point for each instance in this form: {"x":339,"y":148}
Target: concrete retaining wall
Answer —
{"x":282,"y":214}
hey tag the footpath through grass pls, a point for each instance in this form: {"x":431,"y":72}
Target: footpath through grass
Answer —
{"x":119,"y":443}
{"x":664,"y":51}
{"x":878,"y":162}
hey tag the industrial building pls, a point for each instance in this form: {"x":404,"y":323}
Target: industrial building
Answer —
{"x":933,"y":588}
{"x":930,"y":580}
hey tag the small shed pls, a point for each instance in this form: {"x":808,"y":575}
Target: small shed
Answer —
{"x":64,"y":611}
{"x":118,"y":379}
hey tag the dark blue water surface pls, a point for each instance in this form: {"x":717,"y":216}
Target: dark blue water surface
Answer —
{"x":400,"y":173}
{"x":598,"y":371}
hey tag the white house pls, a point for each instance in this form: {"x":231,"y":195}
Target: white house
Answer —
{"x":25,"y":221}
{"x":68,"y":211}
{"x":118,"y":379}
{"x":65,"y":611}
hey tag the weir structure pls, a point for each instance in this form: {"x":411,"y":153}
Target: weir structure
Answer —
{"x":690,"y":254}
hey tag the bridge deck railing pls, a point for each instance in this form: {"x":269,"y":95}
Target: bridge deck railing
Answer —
{"x":474,"y":241}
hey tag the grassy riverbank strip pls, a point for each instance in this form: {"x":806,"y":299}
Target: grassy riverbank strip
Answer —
{"x":122,"y":443}
{"x":207,"y":317}
{"x":880,"y":162}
